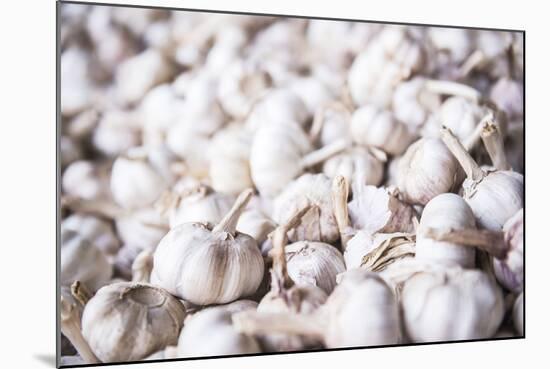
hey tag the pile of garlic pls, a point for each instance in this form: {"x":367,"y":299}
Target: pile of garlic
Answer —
{"x":243,"y":184}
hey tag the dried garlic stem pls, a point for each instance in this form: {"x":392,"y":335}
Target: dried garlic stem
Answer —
{"x":473,"y":171}
{"x":452,"y":88}
{"x":80,"y":293}
{"x":322,"y":154}
{"x":142,"y":266}
{"x":471,"y":141}
{"x":100,"y":208}
{"x":340,"y":190}
{"x":494,"y":143}
{"x":71,"y":328}
{"x":255,"y":323}
{"x":473,"y":61}
{"x":279,"y":240}
{"x":490,"y":241}
{"x":229,"y":222}
{"x":319,"y":118}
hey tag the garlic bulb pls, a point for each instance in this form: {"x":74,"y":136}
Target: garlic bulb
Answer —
{"x":156,"y":320}
{"x":392,"y":56}
{"x":413,"y":104}
{"x":314,"y":263}
{"x":356,"y":164}
{"x":86,"y":180}
{"x":96,"y":230}
{"x":229,"y":167}
{"x":117,"y":131}
{"x":76,"y":88}
{"x":210,"y":332}
{"x":508,"y":96}
{"x":312,"y":91}
{"x":342,"y":321}
{"x":452,"y":43}
{"x":200,"y":204}
{"x":319,"y":224}
{"x":139,"y":177}
{"x":191,"y":145}
{"x":445,"y":211}
{"x":509,"y":271}
{"x":371,"y":126}
{"x":141,"y":229}
{"x":518,"y":314}
{"x":208,"y":265}
{"x":426,"y":170}
{"x":82,"y":261}
{"x":454,"y":304}
{"x":256,"y":224}
{"x":494,"y":196}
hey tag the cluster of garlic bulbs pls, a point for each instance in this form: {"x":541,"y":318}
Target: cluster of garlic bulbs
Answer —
{"x":242,"y":184}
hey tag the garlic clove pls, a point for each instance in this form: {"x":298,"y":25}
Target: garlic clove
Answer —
{"x":96,"y":230}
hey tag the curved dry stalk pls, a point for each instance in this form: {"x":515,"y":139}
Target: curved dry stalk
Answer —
{"x":394,"y":248}
{"x":490,"y":241}
{"x":255,"y":323}
{"x":142,"y":267}
{"x":472,"y":62}
{"x":81,"y":293}
{"x":320,"y":155}
{"x":340,"y":189}
{"x":229,"y":222}
{"x":71,"y":328}
{"x":472,"y":170}
{"x":99,"y":208}
{"x":494,"y":143}
{"x":452,"y":88}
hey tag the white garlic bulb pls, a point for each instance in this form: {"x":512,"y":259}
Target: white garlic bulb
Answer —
{"x":96,"y":230}
{"x":445,"y":211}
{"x":156,"y":320}
{"x":426,"y":170}
{"x":319,"y":224}
{"x":255,"y":223}
{"x":371,"y":126}
{"x":392,"y":56}
{"x":191,"y":145}
{"x":494,"y":196}
{"x":229,"y":168}
{"x":312,"y":91}
{"x":206,"y":265}
{"x":210,"y":332}
{"x":454,"y":43}
{"x":200,"y":204}
{"x":314,"y":263}
{"x":76,"y":88}
{"x":518,"y":314}
{"x":141,"y":229}
{"x":508,"y":96}
{"x":86,"y":180}
{"x":356,"y":164}
{"x":82,"y":261}
{"x":454,"y":304}
{"x":509,"y":271}
{"x":117,"y":131}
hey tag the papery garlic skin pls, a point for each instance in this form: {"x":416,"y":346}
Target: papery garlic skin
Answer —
{"x":445,"y":211}
{"x":371,"y":126}
{"x":509,"y":271}
{"x":314,"y":263}
{"x":355,"y":164}
{"x":517,"y":314}
{"x":207,"y":267}
{"x":210,"y":333}
{"x":361,"y":244}
{"x":128,"y":321}
{"x":99,"y":232}
{"x":495,"y":199}
{"x":426,"y":170}
{"x":318,"y":224}
{"x":82,"y":261}
{"x":451,"y":305}
{"x":363,"y":312}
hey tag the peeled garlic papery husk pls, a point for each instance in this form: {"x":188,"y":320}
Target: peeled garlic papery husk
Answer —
{"x":445,"y":211}
{"x":117,"y":131}
{"x":371,"y":126}
{"x":98,"y":231}
{"x":391,"y":57}
{"x":319,"y":224}
{"x":356,"y":164}
{"x":278,"y":107}
{"x":285,"y":296}
{"x":494,"y":196}
{"x":211,"y":333}
{"x":139,"y":177}
{"x":138,"y":74}
{"x":375,"y":209}
{"x":86,"y":180}
{"x":426,"y":170}
{"x":509,"y":271}
{"x":314,"y":263}
{"x":206,"y":265}
{"x":518,"y":314}
{"x":240,"y":84}
{"x":142,"y":228}
{"x":128,"y":321}
{"x":375,"y":252}
{"x":343,"y":320}
{"x":413,"y":104}
{"x":229,"y":168}
{"x":256,"y":224}
{"x":201,"y":204}
{"x":453,"y":304}
{"x":508,"y":96}
{"x":83,"y":261}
